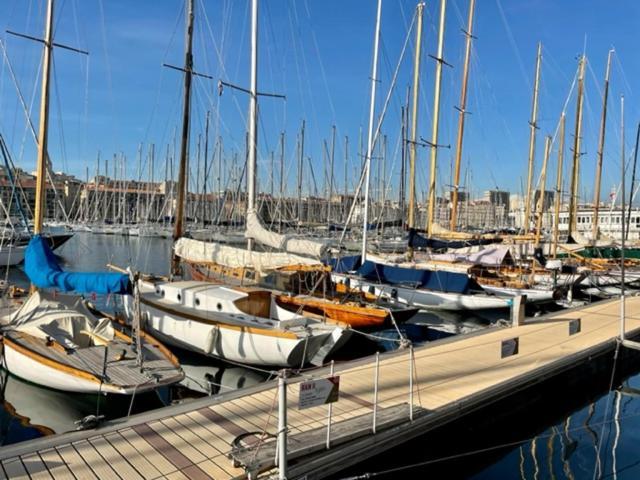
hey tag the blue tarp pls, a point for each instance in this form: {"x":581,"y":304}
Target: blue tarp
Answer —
{"x":421,"y":278}
{"x":42,"y":268}
{"x":416,"y":240}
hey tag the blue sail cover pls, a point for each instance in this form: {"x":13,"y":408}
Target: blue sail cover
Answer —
{"x":415,"y":240}
{"x":42,"y":268}
{"x":345,"y":264}
{"x":436,"y":280}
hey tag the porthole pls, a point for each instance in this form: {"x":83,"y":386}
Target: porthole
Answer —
{"x":219,"y":306}
{"x":162,"y":292}
{"x":197,"y":302}
{"x":179,"y":297}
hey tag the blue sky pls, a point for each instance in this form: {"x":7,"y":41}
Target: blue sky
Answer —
{"x":319,"y":53}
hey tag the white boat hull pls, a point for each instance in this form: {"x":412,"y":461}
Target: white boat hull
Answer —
{"x":33,"y":371}
{"x":427,"y":299}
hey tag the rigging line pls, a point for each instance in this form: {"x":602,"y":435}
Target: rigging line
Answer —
{"x":221,"y":59}
{"x":513,"y":43}
{"x":107,"y":61}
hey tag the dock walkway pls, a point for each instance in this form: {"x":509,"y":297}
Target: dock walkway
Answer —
{"x":450,"y":378}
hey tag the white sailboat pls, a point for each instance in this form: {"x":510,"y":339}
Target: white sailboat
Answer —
{"x":233,"y":324}
{"x":54,"y":340}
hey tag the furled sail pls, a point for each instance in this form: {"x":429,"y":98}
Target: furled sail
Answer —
{"x":196,"y":251}
{"x":43,"y":270}
{"x":287,"y":243}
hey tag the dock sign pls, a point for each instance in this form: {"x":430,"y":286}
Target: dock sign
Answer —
{"x":319,"y":392}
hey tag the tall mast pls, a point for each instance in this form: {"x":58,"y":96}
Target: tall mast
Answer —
{"x":203,"y":204}
{"x":603,"y":124}
{"x":558,"y":195}
{"x":372,"y":108}
{"x":43,"y":132}
{"x":403,"y":160}
{"x":623,"y":168}
{"x":533,"y":126}
{"x":331,"y":161}
{"x":543,"y":180}
{"x":184,"y":145}
{"x":577,"y":141}
{"x":411,"y":214}
{"x":253,"y":117}
{"x":462,"y":110}
{"x":281,"y":198}
{"x":436,"y":117}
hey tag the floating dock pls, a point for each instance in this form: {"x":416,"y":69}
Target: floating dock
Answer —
{"x":399,"y":396}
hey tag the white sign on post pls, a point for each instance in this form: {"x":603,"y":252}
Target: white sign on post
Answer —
{"x":319,"y":392}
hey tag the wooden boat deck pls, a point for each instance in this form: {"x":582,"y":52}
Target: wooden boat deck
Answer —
{"x":452,"y":376}
{"x":121,"y":367}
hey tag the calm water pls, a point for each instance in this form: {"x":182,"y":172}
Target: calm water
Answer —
{"x":563,"y":433}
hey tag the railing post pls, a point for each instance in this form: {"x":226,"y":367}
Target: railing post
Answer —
{"x":375,"y":391}
{"x":329,"y":412}
{"x":411,"y":382}
{"x":282,"y":425}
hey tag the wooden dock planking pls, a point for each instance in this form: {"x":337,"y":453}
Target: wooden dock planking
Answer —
{"x":138,"y":461}
{"x":55,"y":465}
{"x":35,"y":467}
{"x":193,"y":441}
{"x":96,"y":462}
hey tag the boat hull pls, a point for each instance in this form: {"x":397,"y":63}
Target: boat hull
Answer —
{"x":427,"y":299}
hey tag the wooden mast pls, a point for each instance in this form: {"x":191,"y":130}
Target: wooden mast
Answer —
{"x":533,"y":126}
{"x":543,"y":180}
{"x":411,"y":215}
{"x":436,"y":117}
{"x":372,"y":108}
{"x":577,"y":141}
{"x":253,"y":118}
{"x":462,"y":110}
{"x":558,"y":195}
{"x":184,"y":145}
{"x":603,"y":124}
{"x":43,"y":132}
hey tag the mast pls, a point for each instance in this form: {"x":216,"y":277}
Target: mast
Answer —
{"x":436,"y":117}
{"x":603,"y":124}
{"x":462,"y":110}
{"x":533,"y":126}
{"x":300,"y":168}
{"x":281,"y":200}
{"x":403,"y":159}
{"x":184,"y":145}
{"x":558,"y":196}
{"x":411,"y":214}
{"x":43,"y":132}
{"x":543,"y":180}
{"x":633,"y":181}
{"x":203,"y":204}
{"x":622,"y":162}
{"x":575,"y":172}
{"x":253,"y":118}
{"x":331,"y":160}
{"x":372,"y":108}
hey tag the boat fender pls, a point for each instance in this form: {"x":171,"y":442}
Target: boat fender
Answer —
{"x":212,"y":339}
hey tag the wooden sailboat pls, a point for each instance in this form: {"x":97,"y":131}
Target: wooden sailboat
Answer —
{"x":55,"y":340}
{"x":240,"y":325}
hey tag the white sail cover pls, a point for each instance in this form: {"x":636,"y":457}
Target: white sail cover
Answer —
{"x":197,"y":251}
{"x":490,"y":257}
{"x":287,"y":243}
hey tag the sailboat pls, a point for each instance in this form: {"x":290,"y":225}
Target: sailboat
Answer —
{"x":56,"y":340}
{"x":243,"y":325}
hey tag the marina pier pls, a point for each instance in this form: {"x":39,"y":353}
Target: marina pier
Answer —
{"x":399,"y":395}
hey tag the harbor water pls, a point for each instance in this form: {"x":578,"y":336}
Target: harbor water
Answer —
{"x":569,"y":433}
